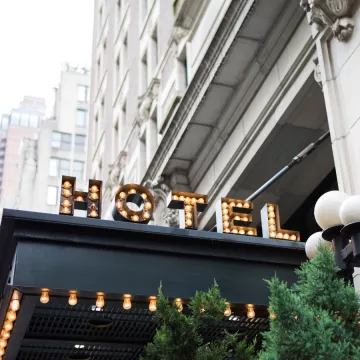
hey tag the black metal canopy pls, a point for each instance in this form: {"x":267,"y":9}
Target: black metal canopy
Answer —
{"x":64,"y":253}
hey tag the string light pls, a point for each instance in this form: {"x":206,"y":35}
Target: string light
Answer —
{"x":5,"y":334}
{"x":11,"y":315}
{"x":272,"y":316}
{"x":227,"y":311}
{"x":3,"y":343}
{"x":44,"y":298}
{"x":127,"y":302}
{"x":72,"y":299}
{"x":100,"y":302}
{"x":250,"y":311}
{"x":179,"y":304}
{"x":152,"y":304}
{"x":8,"y":325}
{"x":15,"y":304}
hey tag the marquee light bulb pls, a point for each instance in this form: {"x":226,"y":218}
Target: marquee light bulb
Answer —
{"x":227,"y":311}
{"x":15,"y":305}
{"x":94,"y":196}
{"x":119,"y":205}
{"x":72,"y":299}
{"x":147,"y":205}
{"x":135,"y":218}
{"x":188,"y":215}
{"x":250,"y":233}
{"x":235,"y":231}
{"x":11,"y":315}
{"x":193,"y":201}
{"x":5,"y":334}
{"x":201,"y":201}
{"x":65,"y":210}
{"x":293,"y":237}
{"x":175,"y":197}
{"x":66,"y":185}
{"x":187,"y":200}
{"x":122,"y":195}
{"x":67,"y":193}
{"x":93,"y":213}
{"x":286,"y":236}
{"x":80,"y":199}
{"x":66,"y":203}
{"x":227,"y":230}
{"x":242,"y":232}
{"x":271,"y":208}
{"x":94,"y":189}
{"x":181,"y":198}
{"x":188,"y":208}
{"x":225,"y":211}
{"x":144,"y":196}
{"x":100,"y":302}
{"x":239,"y":205}
{"x":271,"y":215}
{"x":146,"y":215}
{"x":232,"y":204}
{"x":250,"y":311}
{"x":124,"y":213}
{"x":3,"y":343}
{"x":280,"y":235}
{"x":44,"y":298}
{"x":2,"y":351}
{"x":188,"y":222}
{"x":127,"y":302}
{"x":152,"y":304}
{"x":246,"y":205}
{"x":224,"y":205}
{"x":8,"y":325}
{"x":179,"y":304}
{"x":132,"y":191}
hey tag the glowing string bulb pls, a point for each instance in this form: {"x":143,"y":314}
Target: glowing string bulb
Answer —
{"x":44,"y":298}
{"x":100,"y":302}
{"x":5,"y":334}
{"x":179,"y":304}
{"x":227,"y":311}
{"x":250,"y":311}
{"x":127,"y":302}
{"x":72,"y":299}
{"x":11,"y":315}
{"x":3,"y":343}
{"x":152,"y":304}
{"x":272,"y":316}
{"x":8,"y":325}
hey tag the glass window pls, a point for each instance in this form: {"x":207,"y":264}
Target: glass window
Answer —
{"x":78,"y":170}
{"x":15,"y":118}
{"x":81,"y":117}
{"x":83,"y":92}
{"x":58,"y":167}
{"x":34,"y":120}
{"x":56,"y":140}
{"x":52,"y":195}
{"x":64,"y":167}
{"x":61,"y":140}
{"x":80,"y":143}
{"x":24,"y":119}
{"x":53,"y":167}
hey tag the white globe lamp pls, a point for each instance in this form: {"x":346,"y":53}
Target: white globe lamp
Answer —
{"x":350,"y":210}
{"x":327,"y":209}
{"x":312,"y":244}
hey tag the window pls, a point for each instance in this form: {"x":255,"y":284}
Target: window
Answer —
{"x":34,"y":121}
{"x":78,"y":170}
{"x":144,"y":74}
{"x":61,"y":140}
{"x":80,"y":143}
{"x":24,"y":121}
{"x":155,"y":49}
{"x":59,"y":167}
{"x":81,"y":117}
{"x":15,"y":118}
{"x":52,"y":195}
{"x":83,"y":93}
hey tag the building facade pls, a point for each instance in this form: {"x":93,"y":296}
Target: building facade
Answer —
{"x":60,"y":148}
{"x":22,"y":123}
{"x":215,"y":97}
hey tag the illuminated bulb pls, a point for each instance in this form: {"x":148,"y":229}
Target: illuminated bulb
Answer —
{"x":187,"y":200}
{"x":242,"y":232}
{"x":280,"y":236}
{"x":135,"y":218}
{"x":65,"y":210}
{"x":271,"y":215}
{"x":270,"y":208}
{"x":224,"y":205}
{"x":181,"y":198}
{"x":147,"y":205}
{"x":201,"y":201}
{"x":94,"y":196}
{"x":293,"y":237}
{"x":272,"y":228}
{"x":271,"y":221}
{"x":119,"y":205}
{"x":188,"y":222}
{"x":250,"y":312}
{"x":146,"y":215}
{"x":226,"y":224}
{"x":188,"y":215}
{"x":234,"y":231}
{"x":175,"y":197}
{"x":2,"y":351}
{"x":127,"y":302}
{"x":15,"y":305}
{"x":93,"y":213}
{"x":232,"y":204}
{"x":100,"y":302}
{"x":272,"y":316}
{"x":66,"y":203}
{"x":11,"y":315}
{"x":8,"y":325}
{"x":296,"y":317}
{"x":286,"y":236}
{"x":237,"y":218}
{"x":193,"y":201}
{"x":122,"y":195}
{"x":202,"y":310}
{"x":3,"y":343}
{"x":132,"y":191}
{"x":179,"y":304}
{"x":94,"y":189}
{"x":225,"y":211}
{"x":67,"y":193}
{"x":5,"y":334}
{"x":124,"y":213}
{"x":250,"y":232}
{"x":273,"y":234}
{"x":240,"y":205}
{"x":144,"y":196}
{"x":44,"y":298}
{"x":245,"y":219}
{"x":246,"y":205}
{"x":227,"y":230}
{"x":188,"y":208}
{"x":152,"y":304}
{"x":72,"y":299}
{"x":226,"y":217}
{"x":66,"y":185}
{"x":80,"y":199}
{"x":227,"y":311}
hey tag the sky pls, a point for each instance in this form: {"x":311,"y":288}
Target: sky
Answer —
{"x":36,"y":38}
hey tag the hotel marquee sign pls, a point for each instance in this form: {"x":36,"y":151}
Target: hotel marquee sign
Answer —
{"x":232,"y":215}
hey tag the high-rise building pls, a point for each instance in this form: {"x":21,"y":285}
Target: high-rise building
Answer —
{"x":60,"y":148}
{"x":22,"y":122}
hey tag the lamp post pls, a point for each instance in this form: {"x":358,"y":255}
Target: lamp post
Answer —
{"x":339,"y":216}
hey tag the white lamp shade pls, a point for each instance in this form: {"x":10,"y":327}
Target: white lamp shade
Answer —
{"x":327,"y":209}
{"x":350,"y":210}
{"x":312,"y":243}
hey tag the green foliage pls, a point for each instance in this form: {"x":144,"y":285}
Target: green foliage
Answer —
{"x":179,"y":336}
{"x":315,"y":318}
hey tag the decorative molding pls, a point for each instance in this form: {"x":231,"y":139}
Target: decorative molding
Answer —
{"x":317,"y":72}
{"x":335,"y":14}
{"x":145,"y":101}
{"x":179,"y":33}
{"x":115,"y":170}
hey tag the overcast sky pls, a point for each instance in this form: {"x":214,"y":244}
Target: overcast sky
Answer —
{"x":36,"y":38}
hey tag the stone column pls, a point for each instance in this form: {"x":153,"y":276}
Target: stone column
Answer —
{"x":336,"y":29}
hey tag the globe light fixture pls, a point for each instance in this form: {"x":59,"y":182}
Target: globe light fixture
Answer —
{"x":312,"y":244}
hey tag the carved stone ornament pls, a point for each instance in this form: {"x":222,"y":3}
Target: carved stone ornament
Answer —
{"x":114,"y":172}
{"x":145,"y":101}
{"x":332,"y":13}
{"x":179,"y":33}
{"x":317,"y":72}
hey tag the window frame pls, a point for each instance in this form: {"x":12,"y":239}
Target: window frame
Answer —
{"x":51,"y":201}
